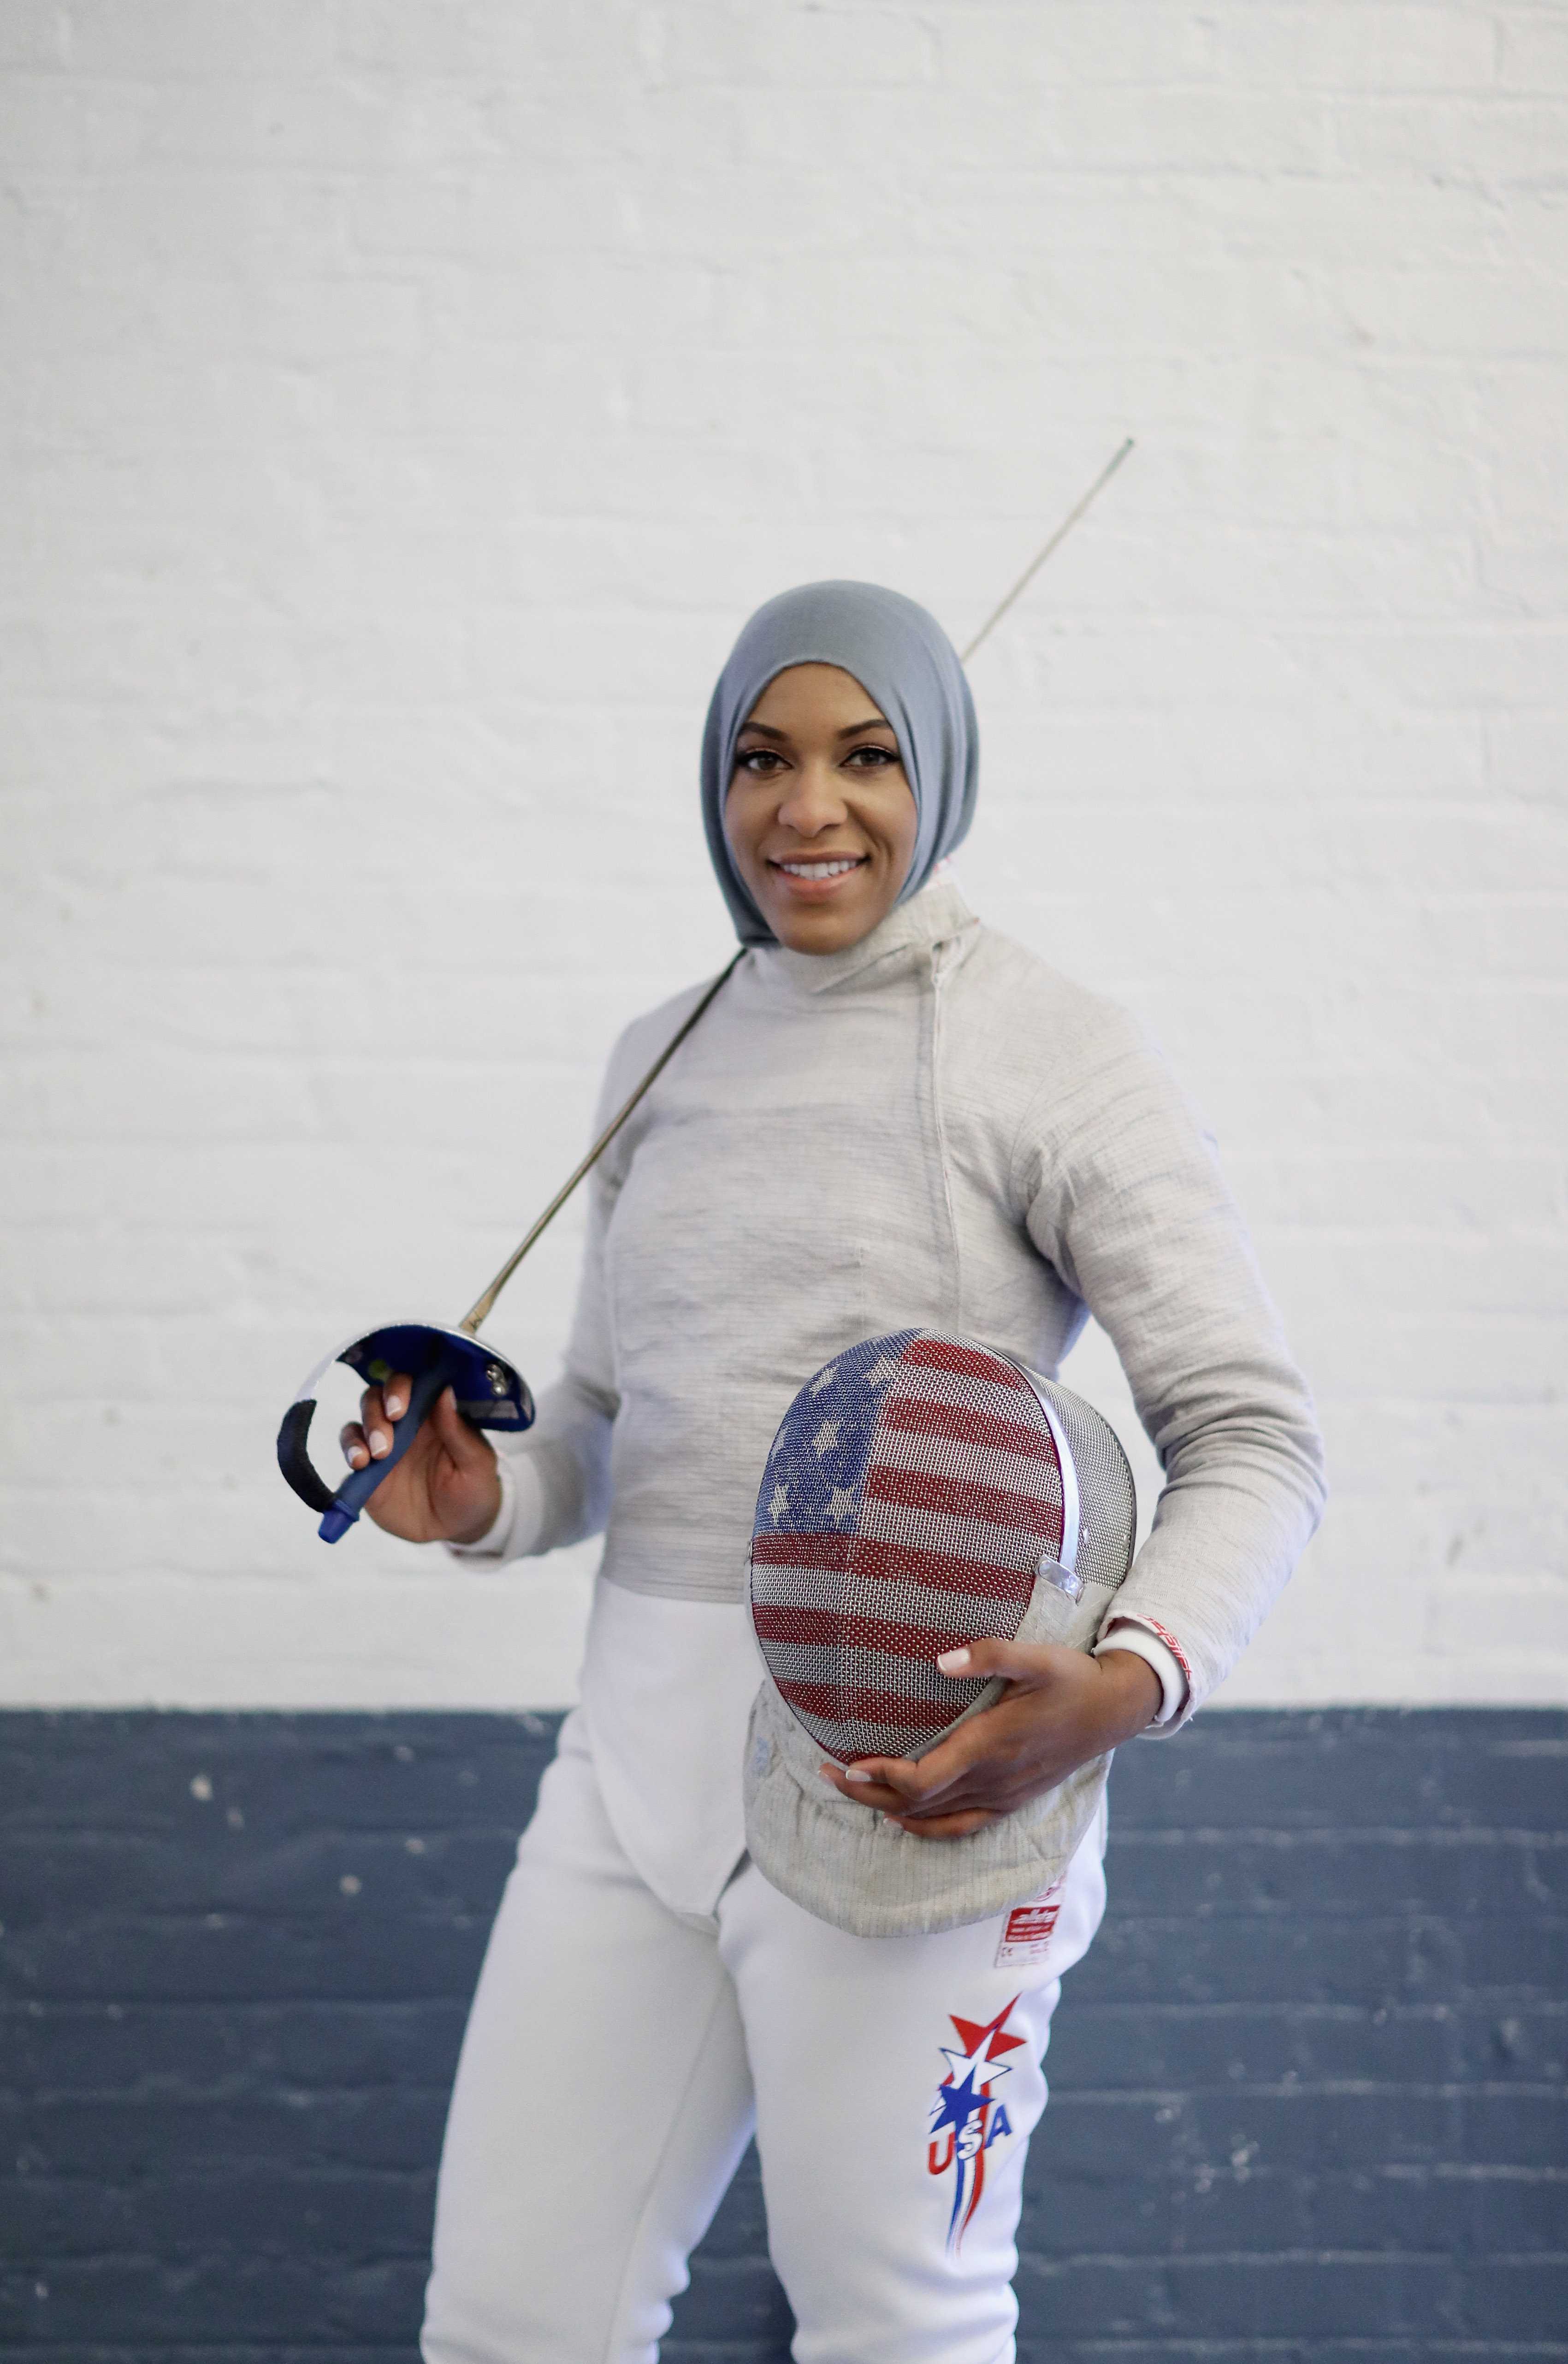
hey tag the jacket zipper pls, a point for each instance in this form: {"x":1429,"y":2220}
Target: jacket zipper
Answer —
{"x":937,"y":969}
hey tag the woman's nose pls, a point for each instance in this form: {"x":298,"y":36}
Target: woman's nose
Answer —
{"x":814,"y":802}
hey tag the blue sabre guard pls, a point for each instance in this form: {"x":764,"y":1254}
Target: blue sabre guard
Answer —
{"x":490,"y":1394}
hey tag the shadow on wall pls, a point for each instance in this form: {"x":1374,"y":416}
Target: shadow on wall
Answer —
{"x":1307,"y":2090}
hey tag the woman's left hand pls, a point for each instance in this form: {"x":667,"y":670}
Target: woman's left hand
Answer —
{"x":1059,"y":1709}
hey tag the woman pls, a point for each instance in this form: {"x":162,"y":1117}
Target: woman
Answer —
{"x":891,"y":1117}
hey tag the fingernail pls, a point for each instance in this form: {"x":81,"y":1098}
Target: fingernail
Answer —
{"x":953,"y":1662}
{"x":378,"y":1440}
{"x":395,"y":1406}
{"x":855,"y":1773}
{"x":356,"y":1457}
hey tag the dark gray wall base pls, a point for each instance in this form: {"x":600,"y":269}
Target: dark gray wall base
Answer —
{"x":1307,"y":2090}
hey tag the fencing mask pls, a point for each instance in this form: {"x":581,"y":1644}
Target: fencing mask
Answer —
{"x":922,"y":1492}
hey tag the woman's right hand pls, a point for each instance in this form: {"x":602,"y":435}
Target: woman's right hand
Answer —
{"x":446,"y":1488}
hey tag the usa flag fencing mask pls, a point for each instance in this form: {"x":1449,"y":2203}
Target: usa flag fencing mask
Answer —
{"x":922,"y":1493}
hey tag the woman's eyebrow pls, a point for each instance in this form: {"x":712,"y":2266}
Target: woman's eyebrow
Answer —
{"x":851,"y":731}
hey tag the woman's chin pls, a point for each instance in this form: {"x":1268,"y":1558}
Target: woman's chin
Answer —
{"x":812,"y":917}
{"x":807,"y":927}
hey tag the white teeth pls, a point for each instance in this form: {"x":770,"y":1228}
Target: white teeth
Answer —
{"x":817,"y":869}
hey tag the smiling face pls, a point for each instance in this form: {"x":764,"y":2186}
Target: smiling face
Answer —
{"x":819,"y":817}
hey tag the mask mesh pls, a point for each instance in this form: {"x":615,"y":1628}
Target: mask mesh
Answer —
{"x":911,"y":1491}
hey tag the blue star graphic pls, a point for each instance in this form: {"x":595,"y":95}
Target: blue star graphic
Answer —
{"x":956,"y":2104}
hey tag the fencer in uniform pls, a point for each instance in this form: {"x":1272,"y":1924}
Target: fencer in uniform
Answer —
{"x":892,"y":1116}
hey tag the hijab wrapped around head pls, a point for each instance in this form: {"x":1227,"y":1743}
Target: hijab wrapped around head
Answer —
{"x":905,"y":660}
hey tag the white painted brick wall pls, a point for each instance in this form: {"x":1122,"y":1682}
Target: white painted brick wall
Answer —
{"x":404,"y":405}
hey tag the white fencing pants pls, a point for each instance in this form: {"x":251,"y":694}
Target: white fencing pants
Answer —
{"x":619,"y":2056}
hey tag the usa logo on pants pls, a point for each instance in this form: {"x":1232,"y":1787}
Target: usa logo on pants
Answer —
{"x":967,"y":2116}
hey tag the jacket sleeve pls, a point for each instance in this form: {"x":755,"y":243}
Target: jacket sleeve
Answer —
{"x":1122,"y":1191}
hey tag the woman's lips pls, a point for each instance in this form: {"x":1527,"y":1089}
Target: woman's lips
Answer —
{"x":817,"y":882}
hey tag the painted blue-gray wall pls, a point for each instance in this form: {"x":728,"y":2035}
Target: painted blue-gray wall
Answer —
{"x":1307,"y":2090}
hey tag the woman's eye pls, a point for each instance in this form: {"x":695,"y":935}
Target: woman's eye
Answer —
{"x":758,"y":761}
{"x":871,"y":759}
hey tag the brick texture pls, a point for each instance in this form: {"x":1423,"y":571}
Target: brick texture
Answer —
{"x":404,"y":405}
{"x":1307,"y":2091}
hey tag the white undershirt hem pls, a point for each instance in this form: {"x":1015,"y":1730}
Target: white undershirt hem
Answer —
{"x":1143,"y":1643}
{"x":520,"y":1518}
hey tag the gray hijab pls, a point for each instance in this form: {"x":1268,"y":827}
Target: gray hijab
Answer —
{"x":903,"y":658}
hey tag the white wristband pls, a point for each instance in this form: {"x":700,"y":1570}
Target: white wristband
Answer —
{"x":1127,"y":1634}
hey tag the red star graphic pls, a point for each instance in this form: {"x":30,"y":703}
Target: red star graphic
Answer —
{"x":988,"y":2042}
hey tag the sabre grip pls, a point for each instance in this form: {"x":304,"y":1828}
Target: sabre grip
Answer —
{"x":357,"y":1489}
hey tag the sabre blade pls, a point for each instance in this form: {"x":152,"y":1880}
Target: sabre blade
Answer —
{"x":1056,"y":539}
{"x":479,"y":1310}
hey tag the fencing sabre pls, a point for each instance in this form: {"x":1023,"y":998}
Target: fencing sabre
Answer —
{"x":490,"y":1391}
